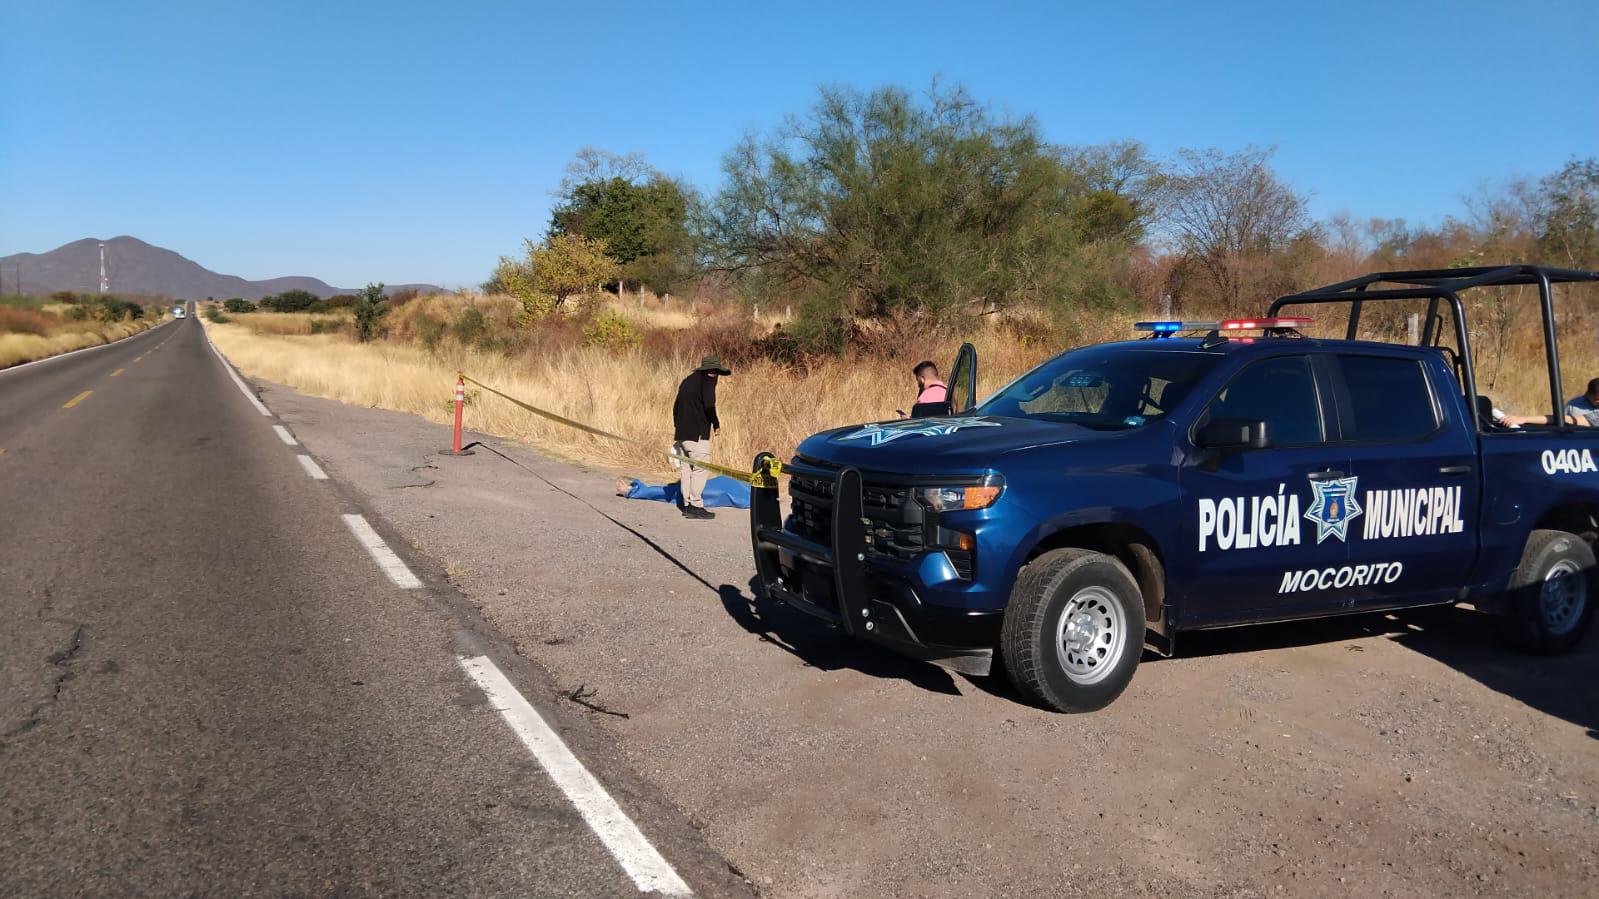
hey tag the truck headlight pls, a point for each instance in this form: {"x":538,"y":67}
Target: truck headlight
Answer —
{"x":962,"y":498}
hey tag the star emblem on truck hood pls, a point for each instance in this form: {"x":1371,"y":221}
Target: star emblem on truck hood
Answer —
{"x":880,"y":434}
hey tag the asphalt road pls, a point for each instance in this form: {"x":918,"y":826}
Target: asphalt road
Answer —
{"x":209,"y":685}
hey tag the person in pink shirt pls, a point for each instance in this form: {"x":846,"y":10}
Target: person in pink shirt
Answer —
{"x":929,"y":387}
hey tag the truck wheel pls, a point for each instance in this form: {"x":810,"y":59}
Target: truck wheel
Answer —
{"x":1074,"y":630}
{"x":1551,"y":593}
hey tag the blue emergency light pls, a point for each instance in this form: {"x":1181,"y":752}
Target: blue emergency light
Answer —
{"x":1170,"y":329}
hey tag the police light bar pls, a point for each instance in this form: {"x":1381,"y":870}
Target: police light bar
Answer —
{"x":1262,"y":324}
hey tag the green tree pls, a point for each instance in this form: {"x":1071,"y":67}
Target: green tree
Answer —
{"x":111,"y":308}
{"x":1568,"y":219}
{"x":551,"y":273}
{"x":369,"y":309}
{"x":882,"y":203}
{"x":290,"y":301}
{"x":1243,"y":233}
{"x":237,"y":304}
{"x":640,"y":214}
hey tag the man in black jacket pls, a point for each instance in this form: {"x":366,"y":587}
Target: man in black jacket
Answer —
{"x":694,"y":421}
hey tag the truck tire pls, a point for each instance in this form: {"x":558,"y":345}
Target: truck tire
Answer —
{"x":1551,"y":593}
{"x":1074,"y":630}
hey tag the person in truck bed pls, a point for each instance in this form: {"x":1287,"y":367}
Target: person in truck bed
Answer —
{"x":1585,"y":408}
{"x":1582,"y":411}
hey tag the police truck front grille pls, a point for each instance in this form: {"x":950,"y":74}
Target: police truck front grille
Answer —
{"x":896,"y":521}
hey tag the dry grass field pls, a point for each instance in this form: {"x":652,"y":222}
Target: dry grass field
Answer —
{"x":27,"y":335}
{"x":765,"y":405}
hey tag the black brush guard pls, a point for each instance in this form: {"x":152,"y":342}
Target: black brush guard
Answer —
{"x":853,"y":608}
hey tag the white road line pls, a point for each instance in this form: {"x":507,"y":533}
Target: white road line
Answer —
{"x":311,"y":468}
{"x":381,"y":554}
{"x":626,"y":843}
{"x":285,"y":436}
{"x":254,"y":400}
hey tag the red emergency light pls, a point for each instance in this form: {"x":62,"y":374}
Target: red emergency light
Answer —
{"x":1263,"y":324}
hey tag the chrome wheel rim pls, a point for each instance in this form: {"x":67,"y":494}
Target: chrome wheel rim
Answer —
{"x":1090,"y":635}
{"x":1563,"y":596}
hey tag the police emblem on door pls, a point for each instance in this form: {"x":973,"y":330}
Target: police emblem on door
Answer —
{"x":1332,"y":507}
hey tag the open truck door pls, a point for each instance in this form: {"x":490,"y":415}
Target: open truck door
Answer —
{"x":963,"y":381}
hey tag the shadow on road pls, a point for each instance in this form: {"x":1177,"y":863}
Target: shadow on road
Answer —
{"x":820,"y":646}
{"x":1565,"y":687}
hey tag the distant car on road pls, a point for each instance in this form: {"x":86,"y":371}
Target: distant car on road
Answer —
{"x":179,"y":312}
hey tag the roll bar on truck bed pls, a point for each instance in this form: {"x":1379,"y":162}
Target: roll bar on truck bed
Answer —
{"x":1445,"y":286}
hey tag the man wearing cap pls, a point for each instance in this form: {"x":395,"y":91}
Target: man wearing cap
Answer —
{"x":694,"y":421}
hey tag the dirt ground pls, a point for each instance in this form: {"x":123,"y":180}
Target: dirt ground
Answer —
{"x":1377,"y":755}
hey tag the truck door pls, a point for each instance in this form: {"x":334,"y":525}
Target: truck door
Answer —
{"x":963,"y":380}
{"x":1415,"y":465}
{"x":1264,"y":519}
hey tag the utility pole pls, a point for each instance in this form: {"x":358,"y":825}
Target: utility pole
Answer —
{"x":105,"y":283}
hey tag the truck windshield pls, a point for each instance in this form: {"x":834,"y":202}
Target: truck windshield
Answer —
{"x":1105,"y":388}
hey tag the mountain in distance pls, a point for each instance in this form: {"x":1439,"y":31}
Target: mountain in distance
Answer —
{"x":139,"y":269}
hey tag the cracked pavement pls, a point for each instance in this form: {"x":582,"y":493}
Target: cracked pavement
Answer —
{"x":61,"y":660}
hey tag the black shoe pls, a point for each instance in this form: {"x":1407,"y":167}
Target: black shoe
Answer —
{"x":698,"y":512}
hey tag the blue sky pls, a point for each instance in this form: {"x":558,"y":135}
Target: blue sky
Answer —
{"x":409,"y":141}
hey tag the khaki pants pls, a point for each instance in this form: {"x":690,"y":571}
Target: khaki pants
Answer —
{"x":692,"y":478}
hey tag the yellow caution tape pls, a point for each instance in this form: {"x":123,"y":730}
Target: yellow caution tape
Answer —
{"x":766,"y":477}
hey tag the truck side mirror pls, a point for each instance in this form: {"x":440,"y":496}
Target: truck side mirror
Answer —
{"x":1233,"y":434}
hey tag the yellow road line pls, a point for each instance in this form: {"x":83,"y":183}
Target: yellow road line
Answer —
{"x":2,"y":451}
{"x":77,"y":399}
{"x":118,"y":372}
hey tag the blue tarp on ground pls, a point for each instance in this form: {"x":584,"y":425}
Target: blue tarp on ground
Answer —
{"x":720,"y":491}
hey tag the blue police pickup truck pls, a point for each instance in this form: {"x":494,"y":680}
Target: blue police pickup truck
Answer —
{"x":1206,"y":475}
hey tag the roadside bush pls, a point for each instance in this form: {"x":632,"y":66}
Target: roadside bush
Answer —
{"x":731,"y":338}
{"x":26,"y":321}
{"x":238,"y":305}
{"x":901,"y":334}
{"x":1029,"y":331}
{"x":611,"y":331}
{"x":214,"y":313}
{"x":290,"y":301}
{"x":470,"y":326}
{"x":340,"y":301}
{"x":369,"y":309}
{"x":428,"y":331}
{"x":115,"y":309}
